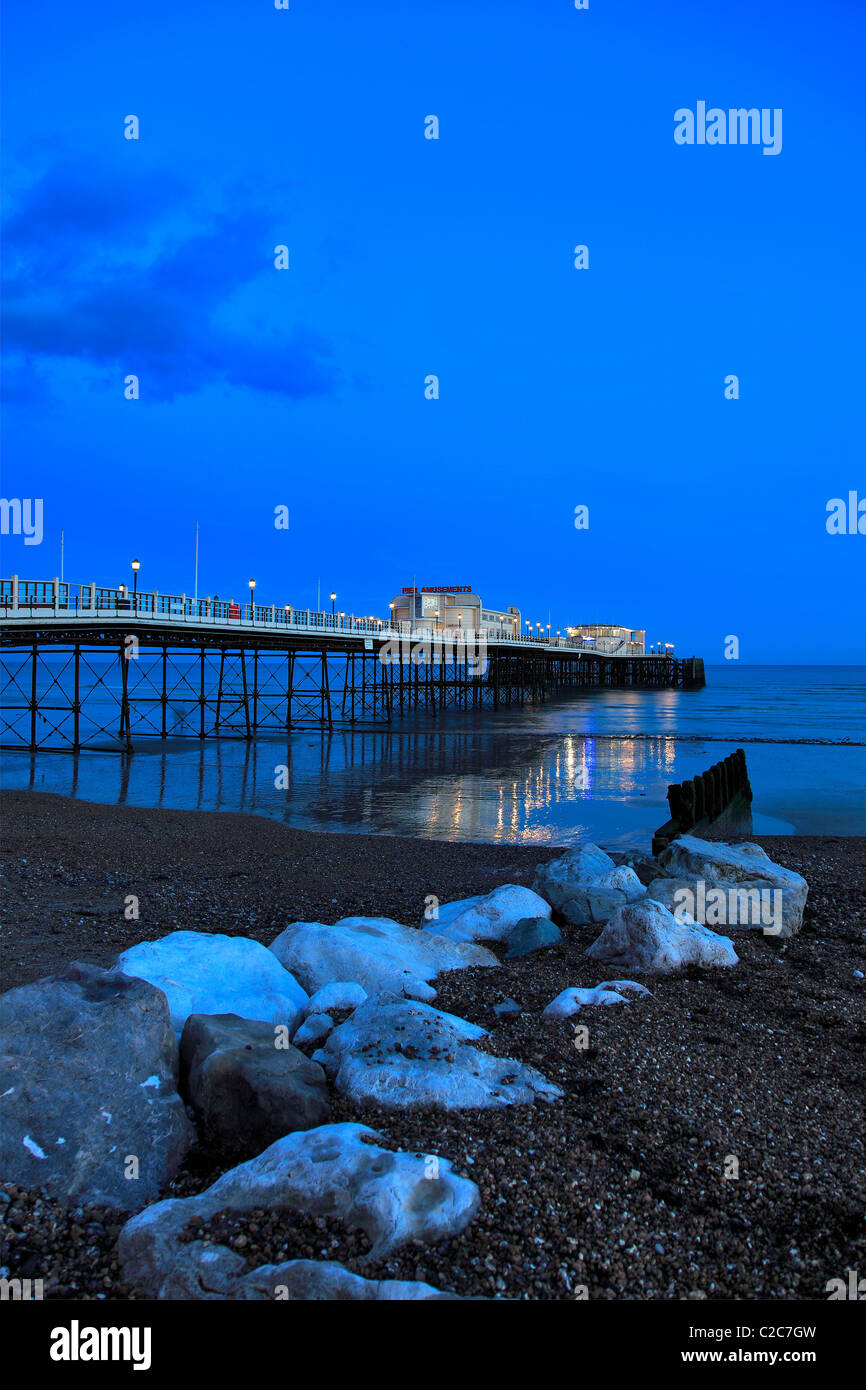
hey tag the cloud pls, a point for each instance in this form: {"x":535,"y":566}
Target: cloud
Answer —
{"x":142,"y":273}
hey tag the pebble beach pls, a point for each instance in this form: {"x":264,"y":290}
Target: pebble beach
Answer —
{"x":621,"y":1189}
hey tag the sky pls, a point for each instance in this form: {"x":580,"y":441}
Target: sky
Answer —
{"x":409,"y":258}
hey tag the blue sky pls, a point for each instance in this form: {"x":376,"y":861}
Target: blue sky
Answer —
{"x":411,"y":257}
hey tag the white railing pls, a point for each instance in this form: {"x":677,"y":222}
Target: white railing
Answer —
{"x":21,"y":601}
{"x":52,"y":600}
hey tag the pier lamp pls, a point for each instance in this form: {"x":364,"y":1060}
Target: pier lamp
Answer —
{"x":391,"y":606}
{"x":252,"y":600}
{"x":333,"y":601}
{"x":136,"y":566}
{"x":342,"y":619}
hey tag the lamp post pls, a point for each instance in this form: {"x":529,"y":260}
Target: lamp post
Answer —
{"x":252,"y":600}
{"x":333,"y":601}
{"x":342,"y":619}
{"x":136,"y":566}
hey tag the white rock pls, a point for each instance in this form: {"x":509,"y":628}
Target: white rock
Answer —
{"x":209,"y":973}
{"x":340,"y":994}
{"x":691,"y":858}
{"x":624,"y":878}
{"x":375,"y":952}
{"x":399,"y":1054}
{"x":569,"y":1001}
{"x":330,"y":1171}
{"x":625,"y":987}
{"x":490,"y":917}
{"x":314,"y":1028}
{"x":303,"y":1281}
{"x":586,"y":886}
{"x":558,"y":879}
{"x":645,"y":936}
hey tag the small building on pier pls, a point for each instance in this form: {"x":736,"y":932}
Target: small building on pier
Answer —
{"x":609,"y":639}
{"x":455,"y":606}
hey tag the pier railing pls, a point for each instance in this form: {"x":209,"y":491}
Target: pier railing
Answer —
{"x":26,"y":599}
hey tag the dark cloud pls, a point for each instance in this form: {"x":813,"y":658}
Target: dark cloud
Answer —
{"x":123,"y":270}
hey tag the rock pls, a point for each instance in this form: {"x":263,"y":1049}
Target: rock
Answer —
{"x":626,"y":987}
{"x":89,"y":1107}
{"x":507,"y":1008}
{"x":592,"y":905}
{"x":376,"y":952}
{"x":531,"y":934}
{"x":314,"y":1029}
{"x":557,"y":880}
{"x":586,"y":886}
{"x":645,"y":936}
{"x":570,"y":1001}
{"x":746,"y":865}
{"x":335,"y":1171}
{"x":643,"y":864}
{"x":246,"y":1090}
{"x":748,"y":905}
{"x":309,"y":1280}
{"x":208,"y":973}
{"x":490,"y":917}
{"x":399,"y":1054}
{"x":340,"y":994}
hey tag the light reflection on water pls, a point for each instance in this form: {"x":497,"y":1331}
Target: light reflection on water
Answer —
{"x":596,"y":765}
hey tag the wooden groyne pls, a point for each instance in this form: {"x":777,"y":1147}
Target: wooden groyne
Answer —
{"x":719,"y":799}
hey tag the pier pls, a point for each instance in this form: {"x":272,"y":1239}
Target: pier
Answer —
{"x":90,"y":667}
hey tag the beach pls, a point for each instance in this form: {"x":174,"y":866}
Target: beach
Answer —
{"x":623,"y":1188}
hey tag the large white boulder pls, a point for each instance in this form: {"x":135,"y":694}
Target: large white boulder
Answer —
{"x":399,"y":1054}
{"x":749,"y":904}
{"x":558,"y":878}
{"x":375,"y":952}
{"x":334,"y":1170}
{"x":645,"y":936}
{"x":489,"y":917}
{"x":747,"y":865}
{"x":209,"y":973}
{"x":586,"y":886}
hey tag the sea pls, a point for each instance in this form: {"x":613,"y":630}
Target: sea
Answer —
{"x":594,"y":764}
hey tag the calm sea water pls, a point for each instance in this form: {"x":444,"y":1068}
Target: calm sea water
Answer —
{"x":595,"y":764}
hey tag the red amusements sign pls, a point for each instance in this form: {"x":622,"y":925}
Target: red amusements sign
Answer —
{"x":437,"y":589}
